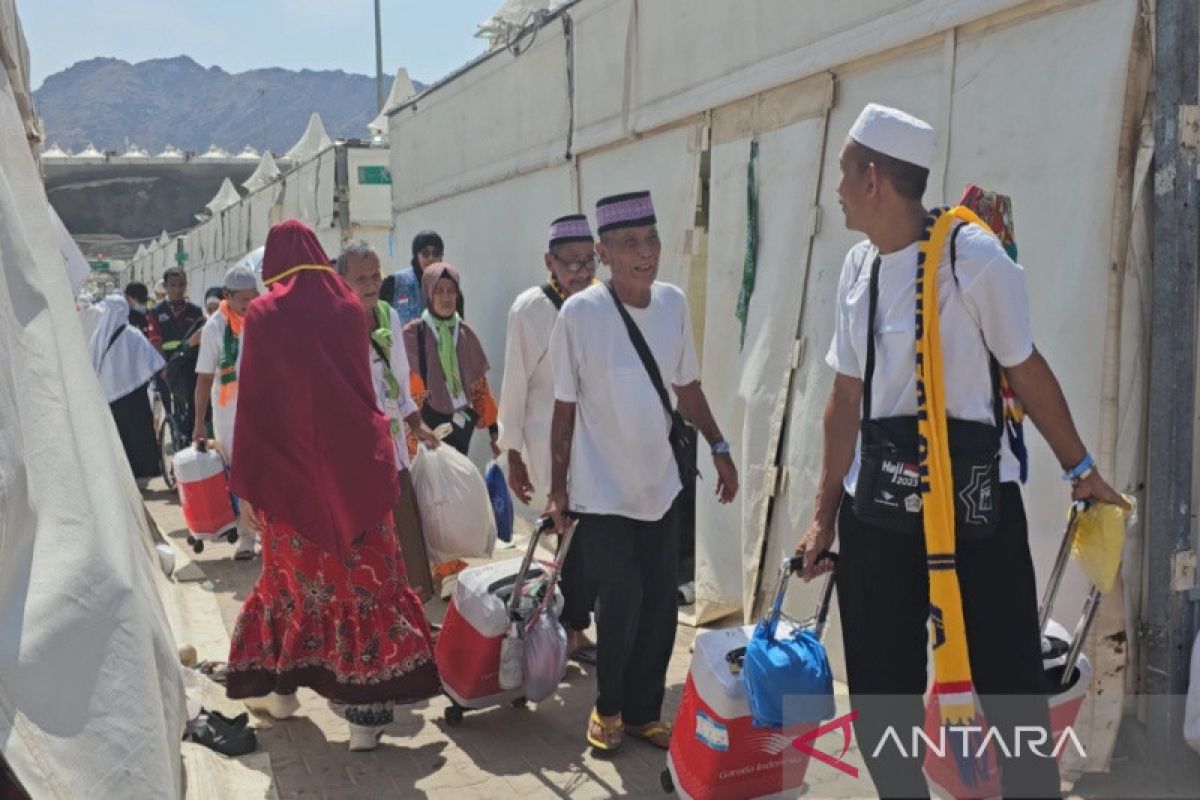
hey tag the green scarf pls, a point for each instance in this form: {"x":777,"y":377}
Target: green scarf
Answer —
{"x":381,"y":338}
{"x":447,"y":349}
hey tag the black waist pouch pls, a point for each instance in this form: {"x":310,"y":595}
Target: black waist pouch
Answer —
{"x":888,"y":492}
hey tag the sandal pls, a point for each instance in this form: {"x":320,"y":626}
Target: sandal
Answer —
{"x":604,"y":734}
{"x":584,"y":655}
{"x":655,"y":733}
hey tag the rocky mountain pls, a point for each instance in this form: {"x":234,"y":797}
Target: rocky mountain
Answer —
{"x":176,"y":101}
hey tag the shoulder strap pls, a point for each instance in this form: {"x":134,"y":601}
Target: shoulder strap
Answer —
{"x":872,"y":307}
{"x":548,"y":290}
{"x":993,"y":364}
{"x":422,"y":366}
{"x":112,"y":340}
{"x":643,"y":350}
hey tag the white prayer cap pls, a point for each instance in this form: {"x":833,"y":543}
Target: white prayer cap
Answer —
{"x":896,"y":134}
{"x":240,"y":278}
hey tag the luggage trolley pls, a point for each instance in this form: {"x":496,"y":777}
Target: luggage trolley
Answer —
{"x":488,"y":601}
{"x":716,"y":752}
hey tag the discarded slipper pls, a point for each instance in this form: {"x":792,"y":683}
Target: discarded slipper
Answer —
{"x":584,"y":655}
{"x":213,"y":670}
{"x":229,"y":737}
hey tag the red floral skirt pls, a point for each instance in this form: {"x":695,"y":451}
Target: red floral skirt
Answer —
{"x":348,"y":627}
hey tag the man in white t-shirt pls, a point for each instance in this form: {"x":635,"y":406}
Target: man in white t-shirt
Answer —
{"x":613,"y":466}
{"x":527,"y":401}
{"x":217,"y":366}
{"x":883,"y":577}
{"x":359,"y":265}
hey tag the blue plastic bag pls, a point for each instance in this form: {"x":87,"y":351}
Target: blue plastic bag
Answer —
{"x":502,"y":505}
{"x":788,"y":680}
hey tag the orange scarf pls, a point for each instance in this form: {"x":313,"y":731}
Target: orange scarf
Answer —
{"x":229,"y":355}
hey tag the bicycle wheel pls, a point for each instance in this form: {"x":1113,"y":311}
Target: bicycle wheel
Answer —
{"x":166,"y":453}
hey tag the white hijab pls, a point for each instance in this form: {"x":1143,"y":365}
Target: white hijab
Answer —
{"x":131,"y":360}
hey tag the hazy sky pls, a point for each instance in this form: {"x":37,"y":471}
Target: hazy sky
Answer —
{"x":429,"y":37}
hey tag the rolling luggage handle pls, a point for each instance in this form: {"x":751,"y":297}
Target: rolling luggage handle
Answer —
{"x":1090,"y":606}
{"x":544,"y":525}
{"x":789,"y":565}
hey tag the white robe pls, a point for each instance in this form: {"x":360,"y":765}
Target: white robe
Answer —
{"x":527,"y":390}
{"x":129,"y":361}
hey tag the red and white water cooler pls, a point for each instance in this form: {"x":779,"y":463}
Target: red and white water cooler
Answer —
{"x":716,"y":752}
{"x":204,"y":495}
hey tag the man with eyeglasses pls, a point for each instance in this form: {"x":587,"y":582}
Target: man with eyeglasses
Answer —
{"x":403,"y":289}
{"x":527,"y":400}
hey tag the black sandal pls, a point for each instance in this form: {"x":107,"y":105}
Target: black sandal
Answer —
{"x":229,"y":737}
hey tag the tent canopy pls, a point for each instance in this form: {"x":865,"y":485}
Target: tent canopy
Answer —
{"x":313,"y":141}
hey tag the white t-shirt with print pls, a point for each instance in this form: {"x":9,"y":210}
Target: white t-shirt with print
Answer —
{"x":403,"y":406}
{"x":208,"y":361}
{"x":989,"y":299}
{"x":621,"y":461}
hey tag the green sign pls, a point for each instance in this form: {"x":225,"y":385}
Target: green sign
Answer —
{"x":180,"y":257}
{"x":99,"y":266}
{"x":374,"y":175}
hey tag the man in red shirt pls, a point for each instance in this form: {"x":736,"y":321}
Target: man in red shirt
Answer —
{"x":176,"y":321}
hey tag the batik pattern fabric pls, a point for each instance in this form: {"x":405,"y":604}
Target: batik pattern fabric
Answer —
{"x":996,"y":211}
{"x":407,"y":299}
{"x":348,"y":627}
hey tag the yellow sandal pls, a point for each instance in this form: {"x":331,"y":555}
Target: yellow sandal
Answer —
{"x":610,"y":732}
{"x":657,"y":734}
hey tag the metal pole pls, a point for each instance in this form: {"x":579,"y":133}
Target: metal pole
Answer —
{"x":378,"y":60}
{"x":1167,"y":625}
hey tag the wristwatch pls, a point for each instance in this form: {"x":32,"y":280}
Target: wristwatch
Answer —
{"x":720,"y":448}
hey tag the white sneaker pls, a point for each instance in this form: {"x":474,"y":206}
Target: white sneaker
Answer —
{"x":279,"y":706}
{"x":364,"y":738}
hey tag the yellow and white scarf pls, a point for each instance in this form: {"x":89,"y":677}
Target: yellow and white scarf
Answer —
{"x":952,"y":685}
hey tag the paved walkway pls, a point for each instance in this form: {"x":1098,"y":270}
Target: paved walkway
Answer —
{"x":535,"y":752}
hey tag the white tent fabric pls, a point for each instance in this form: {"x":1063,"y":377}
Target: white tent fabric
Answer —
{"x":402,"y":89}
{"x":91,"y":696}
{"x":169,"y":153}
{"x":54,"y":151}
{"x":225,"y":197}
{"x":89,"y":153}
{"x":248,"y":154}
{"x":313,"y":141}
{"x":264,"y":173}
{"x":77,"y":265}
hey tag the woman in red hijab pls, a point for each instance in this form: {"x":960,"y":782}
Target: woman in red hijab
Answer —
{"x":313,"y":456}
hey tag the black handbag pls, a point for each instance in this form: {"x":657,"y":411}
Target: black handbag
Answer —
{"x":888,"y":491}
{"x":682,"y":437}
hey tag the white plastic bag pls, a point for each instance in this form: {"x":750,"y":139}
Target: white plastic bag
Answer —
{"x":512,"y":659}
{"x":545,"y":657}
{"x":456,"y":512}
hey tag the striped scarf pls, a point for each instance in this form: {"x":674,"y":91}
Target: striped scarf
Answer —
{"x":227,"y":373}
{"x":952,"y":687}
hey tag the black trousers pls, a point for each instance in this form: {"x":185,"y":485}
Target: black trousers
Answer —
{"x":579,"y":598}
{"x":883,"y":594}
{"x":633,"y":567}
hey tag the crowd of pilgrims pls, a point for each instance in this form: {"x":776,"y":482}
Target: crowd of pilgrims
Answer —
{"x":320,"y":390}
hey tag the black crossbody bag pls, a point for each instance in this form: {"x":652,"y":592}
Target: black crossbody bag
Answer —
{"x":682,"y":437}
{"x":888,"y":493}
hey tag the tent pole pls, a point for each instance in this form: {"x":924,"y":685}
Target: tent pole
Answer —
{"x":378,"y":60}
{"x":1167,"y":626}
